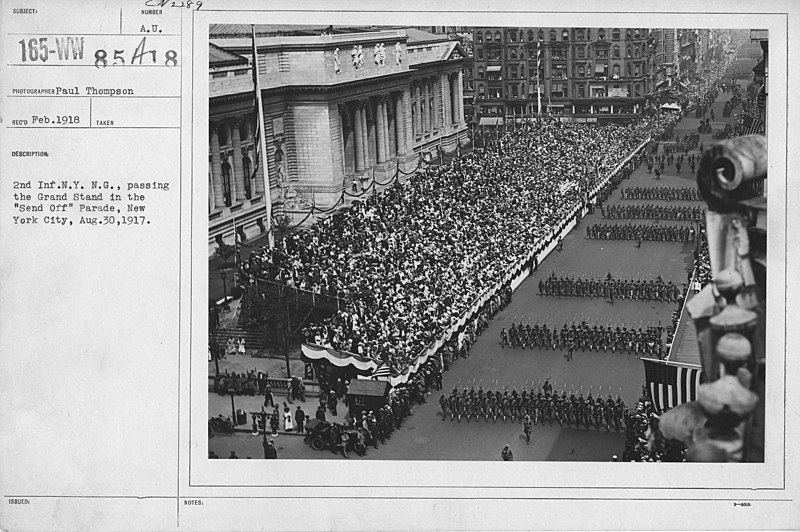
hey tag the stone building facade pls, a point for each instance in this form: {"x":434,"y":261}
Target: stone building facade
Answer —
{"x":340,"y":109}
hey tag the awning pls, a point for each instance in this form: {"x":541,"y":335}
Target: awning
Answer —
{"x":671,"y":107}
{"x":490,"y":121}
{"x":493,"y":68}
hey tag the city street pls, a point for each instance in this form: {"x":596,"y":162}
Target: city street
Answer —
{"x":426,"y":436}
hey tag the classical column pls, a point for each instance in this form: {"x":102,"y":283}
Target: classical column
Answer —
{"x":399,"y":122}
{"x":236,"y":163}
{"x":426,"y":106}
{"x":417,"y":111}
{"x":437,"y":93}
{"x":391,"y":139}
{"x":210,"y":193}
{"x":380,"y":126}
{"x":459,"y":97}
{"x":364,"y":135}
{"x":386,"y":149}
{"x":454,"y":98}
{"x":216,"y":166}
{"x":358,"y":132}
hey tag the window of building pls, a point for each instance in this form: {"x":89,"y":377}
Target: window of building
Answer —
{"x":628,"y":34}
{"x":637,"y":89}
{"x":601,"y":54}
{"x":615,"y":34}
{"x":531,"y":37}
{"x":636,"y":51}
{"x":494,"y":55}
{"x":552,"y":35}
{"x":218,"y":75}
{"x":581,"y":71}
{"x":497,"y":37}
{"x":495,"y":93}
{"x":226,"y":184}
{"x":581,"y":91}
{"x":541,"y":35}
{"x":598,"y":92}
{"x":248,"y":192}
{"x":636,"y":70}
{"x":470,"y":85}
{"x":628,"y":70}
{"x":470,"y":72}
{"x":481,"y":91}
{"x":488,"y":36}
{"x":513,"y":72}
{"x":512,"y":54}
{"x":616,"y":52}
{"x":480,"y":53}
{"x":628,"y":52}
{"x":512,"y":35}
{"x":521,"y":72}
{"x":581,"y":51}
{"x":480,"y":72}
{"x":615,"y":72}
{"x":514,"y":91}
{"x":565,"y":35}
{"x":579,"y":35}
{"x":601,"y":35}
{"x":637,"y":33}
{"x":478,"y":37}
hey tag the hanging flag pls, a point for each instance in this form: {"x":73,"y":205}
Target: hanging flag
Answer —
{"x":259,"y":140}
{"x":670,"y":384}
{"x":752,"y":124}
{"x":381,"y":372}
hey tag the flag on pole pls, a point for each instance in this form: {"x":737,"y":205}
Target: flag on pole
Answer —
{"x":752,"y":124}
{"x":670,"y":384}
{"x":260,"y":141}
{"x":538,"y":66}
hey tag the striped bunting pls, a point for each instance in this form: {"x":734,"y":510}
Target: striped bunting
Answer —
{"x":381,"y":371}
{"x":670,"y":384}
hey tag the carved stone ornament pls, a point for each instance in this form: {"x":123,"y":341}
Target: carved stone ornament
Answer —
{"x":379,"y":54}
{"x":337,"y":66}
{"x":357,"y":54}
{"x":398,"y":53}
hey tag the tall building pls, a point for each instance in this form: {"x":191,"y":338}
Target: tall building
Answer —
{"x":580,"y":74}
{"x":342,"y":108}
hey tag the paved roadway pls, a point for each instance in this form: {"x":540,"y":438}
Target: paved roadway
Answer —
{"x":426,"y":436}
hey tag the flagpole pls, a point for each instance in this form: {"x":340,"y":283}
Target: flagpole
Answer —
{"x":538,"y":88}
{"x":262,"y":145}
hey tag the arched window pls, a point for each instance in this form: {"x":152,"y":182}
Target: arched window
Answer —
{"x":615,"y":74}
{"x":579,"y":35}
{"x":628,"y":52}
{"x":481,"y":91}
{"x":497,"y":37}
{"x":478,"y":37}
{"x":637,"y":34}
{"x":541,"y":35}
{"x":480,"y":72}
{"x":581,"y":51}
{"x":581,"y":71}
{"x":531,"y":37}
{"x":601,"y":34}
{"x":565,"y":35}
{"x":522,"y":71}
{"x":552,"y":35}
{"x":636,"y":51}
{"x":615,"y":34}
{"x":248,"y":192}
{"x":488,"y":36}
{"x":616,"y":52}
{"x":512,"y":54}
{"x":629,"y":70}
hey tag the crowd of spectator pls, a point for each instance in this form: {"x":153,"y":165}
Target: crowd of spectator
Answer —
{"x":411,"y":261}
{"x":645,"y":443}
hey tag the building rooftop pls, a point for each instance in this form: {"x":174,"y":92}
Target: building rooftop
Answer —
{"x":219,"y":57}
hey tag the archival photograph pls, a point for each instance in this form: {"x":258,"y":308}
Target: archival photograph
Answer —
{"x":487,"y":243}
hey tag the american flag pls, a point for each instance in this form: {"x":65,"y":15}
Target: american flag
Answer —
{"x":256,"y":106}
{"x":670,"y":384}
{"x":752,"y":124}
{"x":382,"y":372}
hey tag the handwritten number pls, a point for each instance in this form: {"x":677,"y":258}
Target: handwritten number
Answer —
{"x":172,"y":56}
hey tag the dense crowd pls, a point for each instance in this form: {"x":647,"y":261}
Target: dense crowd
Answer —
{"x":412,"y":260}
{"x":544,"y":406}
{"x":641,"y":232}
{"x":644,"y":441}
{"x":652,"y":211}
{"x":585,"y":337}
{"x":661,"y":193}
{"x":610,"y":288}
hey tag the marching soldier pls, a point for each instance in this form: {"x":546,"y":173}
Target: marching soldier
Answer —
{"x":527,"y":428}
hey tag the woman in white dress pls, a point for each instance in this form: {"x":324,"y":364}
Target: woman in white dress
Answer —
{"x":242,"y":350}
{"x":287,"y":419}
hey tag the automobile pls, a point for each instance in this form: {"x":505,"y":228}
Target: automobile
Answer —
{"x":333,"y":436}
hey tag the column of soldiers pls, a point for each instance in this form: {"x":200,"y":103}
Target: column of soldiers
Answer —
{"x":640,"y":232}
{"x":653,"y":211}
{"x":610,"y":288}
{"x":647,"y":341}
{"x":661,"y":193}
{"x":542,"y":407}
